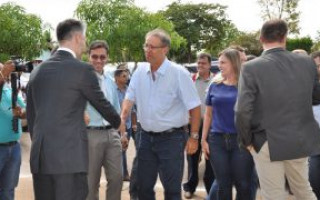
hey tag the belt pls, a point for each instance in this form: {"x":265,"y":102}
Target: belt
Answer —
{"x":99,"y":127}
{"x":225,"y":135}
{"x":162,"y":133}
{"x":8,"y":144}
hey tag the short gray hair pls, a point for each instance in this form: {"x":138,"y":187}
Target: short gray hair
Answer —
{"x":162,"y":35}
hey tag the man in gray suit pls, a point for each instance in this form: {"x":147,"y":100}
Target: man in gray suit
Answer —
{"x":274,"y":115}
{"x":57,"y":95}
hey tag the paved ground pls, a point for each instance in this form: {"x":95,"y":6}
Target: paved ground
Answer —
{"x":25,"y":189}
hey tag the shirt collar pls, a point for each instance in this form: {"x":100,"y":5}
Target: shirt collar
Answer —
{"x":163,"y":67}
{"x":68,"y":50}
{"x":208,"y":79}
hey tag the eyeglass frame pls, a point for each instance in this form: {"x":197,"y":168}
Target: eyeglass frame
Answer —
{"x":101,"y":57}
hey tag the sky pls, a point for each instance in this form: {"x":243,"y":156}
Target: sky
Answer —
{"x":245,"y":14}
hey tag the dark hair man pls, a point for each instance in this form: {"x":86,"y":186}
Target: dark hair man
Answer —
{"x":274,"y":115}
{"x":104,"y":141}
{"x":164,"y":94}
{"x":202,"y":80}
{"x":57,"y":95}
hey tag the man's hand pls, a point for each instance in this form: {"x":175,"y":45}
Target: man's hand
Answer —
{"x":124,"y":141}
{"x":18,"y":112}
{"x":86,"y":119}
{"x":134,"y":128}
{"x":205,"y":149}
{"x":250,"y":148}
{"x":123,"y":134}
{"x":192,"y":146}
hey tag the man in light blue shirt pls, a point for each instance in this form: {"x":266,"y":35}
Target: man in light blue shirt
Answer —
{"x":104,"y":141}
{"x":10,"y":152}
{"x":165,"y":95}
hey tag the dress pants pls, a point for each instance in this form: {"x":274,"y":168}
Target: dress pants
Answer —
{"x":272,"y":176}
{"x":105,"y":151}
{"x":60,"y":186}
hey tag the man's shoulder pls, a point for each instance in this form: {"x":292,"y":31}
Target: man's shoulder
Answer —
{"x":177,"y":68}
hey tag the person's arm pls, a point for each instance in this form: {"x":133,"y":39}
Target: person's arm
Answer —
{"x":195,"y":118}
{"x":91,"y":90}
{"x":31,"y":114}
{"x":244,"y":107}
{"x":125,"y":111}
{"x":207,"y":118}
{"x":7,"y":68}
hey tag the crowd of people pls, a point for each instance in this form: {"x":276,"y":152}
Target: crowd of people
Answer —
{"x":256,"y":122}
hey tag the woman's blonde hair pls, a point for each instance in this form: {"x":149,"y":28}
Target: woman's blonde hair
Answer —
{"x":234,"y":57}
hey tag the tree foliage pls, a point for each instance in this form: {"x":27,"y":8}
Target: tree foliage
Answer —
{"x":123,"y":26}
{"x":299,"y":43}
{"x":204,"y":26}
{"x":282,"y":9}
{"x":21,"y":33}
{"x":250,"y":41}
{"x":316,"y":43}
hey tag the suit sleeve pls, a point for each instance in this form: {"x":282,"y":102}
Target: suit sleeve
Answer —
{"x":244,"y":107}
{"x":316,"y":87}
{"x":91,"y":90}
{"x":30,"y":110}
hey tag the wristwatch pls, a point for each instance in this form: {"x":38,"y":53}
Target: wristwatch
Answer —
{"x":194,"y":135}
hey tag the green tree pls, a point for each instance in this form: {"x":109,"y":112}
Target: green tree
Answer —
{"x":316,"y":43}
{"x":299,"y":43}
{"x":250,"y":41}
{"x":204,"y":26}
{"x":282,"y":9}
{"x":123,"y":26}
{"x":21,"y":33}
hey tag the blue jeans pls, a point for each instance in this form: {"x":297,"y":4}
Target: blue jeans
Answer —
{"x":124,"y":157}
{"x":231,"y":166}
{"x":314,"y":174}
{"x":163,"y":155}
{"x":10,"y":161}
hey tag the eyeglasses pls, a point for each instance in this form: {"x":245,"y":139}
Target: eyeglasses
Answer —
{"x":148,"y":46}
{"x":96,"y":57}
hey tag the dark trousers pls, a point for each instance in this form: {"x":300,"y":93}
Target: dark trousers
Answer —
{"x":60,"y":186}
{"x":314,"y":174}
{"x":163,"y":155}
{"x":133,"y":188}
{"x":254,"y":186}
{"x":231,"y":166}
{"x":193,"y":167}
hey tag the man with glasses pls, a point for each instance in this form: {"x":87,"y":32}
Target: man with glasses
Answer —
{"x":104,"y":141}
{"x":164,"y":94}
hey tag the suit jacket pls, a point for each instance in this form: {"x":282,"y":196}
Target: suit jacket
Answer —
{"x":57,"y":94}
{"x":274,"y":104}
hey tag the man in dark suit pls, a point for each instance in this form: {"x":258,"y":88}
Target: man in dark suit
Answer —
{"x":57,"y":95}
{"x":274,"y":114}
